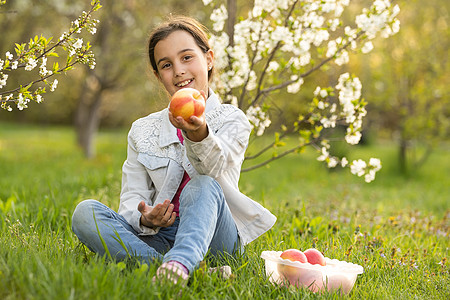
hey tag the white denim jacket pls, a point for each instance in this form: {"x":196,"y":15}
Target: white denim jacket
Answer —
{"x":156,"y":162}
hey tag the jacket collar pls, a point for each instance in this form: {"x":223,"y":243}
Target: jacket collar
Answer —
{"x":168,"y":133}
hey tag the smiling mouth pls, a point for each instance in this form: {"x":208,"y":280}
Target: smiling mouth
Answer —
{"x":183,"y":83}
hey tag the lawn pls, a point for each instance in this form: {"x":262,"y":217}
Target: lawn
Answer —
{"x":396,"y":227}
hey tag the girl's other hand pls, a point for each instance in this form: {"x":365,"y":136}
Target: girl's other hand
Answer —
{"x":161,"y":215}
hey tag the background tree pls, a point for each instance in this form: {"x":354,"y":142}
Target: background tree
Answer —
{"x":408,"y":82}
{"x":121,"y":88}
{"x":275,"y":48}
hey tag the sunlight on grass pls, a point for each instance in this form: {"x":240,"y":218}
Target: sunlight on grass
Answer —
{"x":397,"y":227}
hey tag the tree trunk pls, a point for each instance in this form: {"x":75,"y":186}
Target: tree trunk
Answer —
{"x":232,"y":11}
{"x":402,"y":160}
{"x":87,"y":117}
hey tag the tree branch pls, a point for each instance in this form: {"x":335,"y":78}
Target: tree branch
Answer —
{"x":273,"y":158}
{"x":286,"y":83}
{"x":271,"y":56}
{"x":39,"y":80}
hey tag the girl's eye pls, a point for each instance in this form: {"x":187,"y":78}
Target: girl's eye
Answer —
{"x":165,"y":66}
{"x":187,"y":57}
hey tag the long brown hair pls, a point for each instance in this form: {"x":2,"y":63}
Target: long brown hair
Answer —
{"x":198,"y":31}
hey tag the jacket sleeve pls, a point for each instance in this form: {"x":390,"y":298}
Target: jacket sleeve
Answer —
{"x":224,"y":147}
{"x":136,"y":187}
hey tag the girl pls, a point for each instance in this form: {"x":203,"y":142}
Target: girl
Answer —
{"x":180,"y":196}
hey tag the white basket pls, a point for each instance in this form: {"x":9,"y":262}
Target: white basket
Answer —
{"x":333,"y":276}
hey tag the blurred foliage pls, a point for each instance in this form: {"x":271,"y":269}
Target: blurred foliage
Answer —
{"x":404,"y":78}
{"x":406,"y":81}
{"x":135,"y":92}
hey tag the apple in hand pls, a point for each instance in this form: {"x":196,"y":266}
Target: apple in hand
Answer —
{"x":289,"y":272}
{"x":187,"y":102}
{"x":315,"y":257}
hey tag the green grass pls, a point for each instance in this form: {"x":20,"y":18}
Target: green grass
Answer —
{"x":397,"y":227}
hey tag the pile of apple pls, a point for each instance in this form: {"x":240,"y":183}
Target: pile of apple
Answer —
{"x":312,"y":256}
{"x":312,"y":278}
{"x":302,"y":277}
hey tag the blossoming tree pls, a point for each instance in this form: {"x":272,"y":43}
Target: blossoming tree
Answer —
{"x":35,"y":56}
{"x":277,"y":46}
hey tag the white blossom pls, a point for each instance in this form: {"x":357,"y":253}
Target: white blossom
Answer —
{"x":31,"y":64}
{"x":14,"y":65}
{"x":252,"y":81}
{"x":78,"y":44}
{"x":22,"y":102}
{"x":9,"y":56}
{"x":367,"y":47}
{"x":344,"y":162}
{"x":273,"y":66}
{"x":353,"y":138}
{"x":3,"y":79}
{"x":324,"y":154}
{"x":329,"y":122}
{"x":358,"y":167}
{"x":317,"y":91}
{"x":375,"y":163}
{"x":381,"y":5}
{"x":372,"y":23}
{"x":333,"y":24}
{"x":39,"y":98}
{"x":332,"y":162}
{"x":332,"y":48}
{"x":258,"y":119}
{"x":293,"y":88}
{"x":219,"y":16}
{"x":342,"y":58}
{"x":54,"y":85}
{"x":328,"y":6}
{"x":370,"y":176}
{"x":333,"y":108}
{"x":43,"y":67}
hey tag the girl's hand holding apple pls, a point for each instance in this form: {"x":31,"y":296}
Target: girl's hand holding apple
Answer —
{"x":186,"y":112}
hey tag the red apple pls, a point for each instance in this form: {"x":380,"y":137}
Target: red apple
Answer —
{"x":315,"y":257}
{"x":187,"y":102}
{"x":294,"y":255}
{"x":289,"y":272}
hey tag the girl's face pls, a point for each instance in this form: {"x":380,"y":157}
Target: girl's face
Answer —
{"x":181,"y":63}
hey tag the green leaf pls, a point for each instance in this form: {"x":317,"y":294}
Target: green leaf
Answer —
{"x":5,"y":207}
{"x":55,"y":67}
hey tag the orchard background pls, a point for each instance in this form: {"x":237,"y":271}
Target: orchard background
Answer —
{"x":396,"y":227}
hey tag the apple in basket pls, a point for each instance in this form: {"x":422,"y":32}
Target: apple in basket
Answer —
{"x":289,"y":272}
{"x":315,"y":257}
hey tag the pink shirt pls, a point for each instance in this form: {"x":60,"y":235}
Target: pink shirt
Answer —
{"x":184,"y":181}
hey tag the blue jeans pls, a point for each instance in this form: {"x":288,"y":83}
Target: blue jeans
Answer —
{"x":205,"y":223}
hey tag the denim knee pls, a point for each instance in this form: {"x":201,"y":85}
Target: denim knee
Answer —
{"x":83,"y":215}
{"x":204,"y":181}
{"x":203,"y":185}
